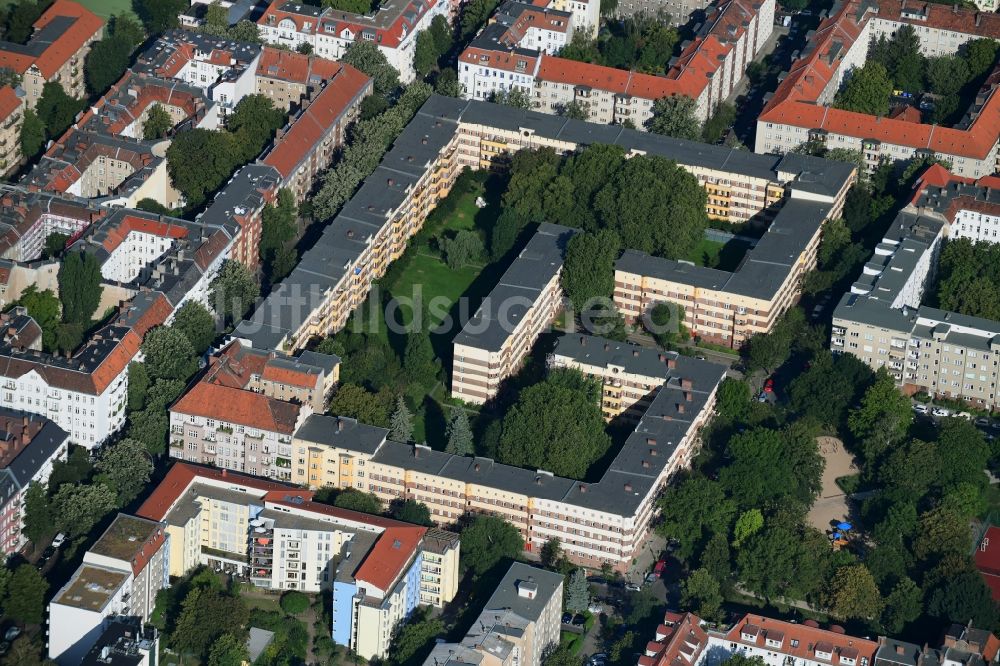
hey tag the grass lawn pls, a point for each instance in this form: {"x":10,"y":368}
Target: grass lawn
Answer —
{"x":105,"y":8}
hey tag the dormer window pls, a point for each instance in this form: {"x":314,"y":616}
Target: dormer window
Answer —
{"x":773,"y":642}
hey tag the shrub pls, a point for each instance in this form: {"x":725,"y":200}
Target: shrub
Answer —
{"x":294,"y":603}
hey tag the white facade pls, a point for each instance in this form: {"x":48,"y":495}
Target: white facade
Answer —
{"x":88,"y":418}
{"x":138,"y":250}
{"x":976,"y":226}
{"x":72,"y":630}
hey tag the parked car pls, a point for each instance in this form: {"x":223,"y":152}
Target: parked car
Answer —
{"x":599,"y":659}
{"x":632,"y":587}
{"x":769,"y":385}
{"x":595,"y":608}
{"x":579,"y":620}
{"x":567,"y":618}
{"x":660,"y":566}
{"x":11,"y":634}
{"x":940,"y":411}
{"x":59,"y":540}
{"x":982,"y":422}
{"x":920,"y":408}
{"x":652,"y":577}
{"x":964,"y":415}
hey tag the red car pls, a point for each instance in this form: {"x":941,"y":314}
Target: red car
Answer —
{"x":769,"y":386}
{"x":660,"y":567}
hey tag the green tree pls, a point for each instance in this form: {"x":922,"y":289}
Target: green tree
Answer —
{"x":359,"y":403}
{"x":692,"y":510}
{"x":963,"y":452}
{"x":353,"y":6}
{"x":487,"y":540}
{"x":199,"y":161}
{"x":459,"y":434}
{"x":941,"y":532}
{"x":168,"y":354}
{"x":217,"y":16}
{"x":738,"y":658}
{"x":401,"y":423}
{"x":418,"y":358}
{"x":79,"y":508}
{"x":963,"y":597}
{"x":25,"y":601}
{"x":554,"y":427}
{"x":234,"y":291}
{"x":245,"y":31}
{"x":43,"y":307}
{"x":126,"y":467}
{"x":980,"y":55}
{"x":700,"y":591}
{"x":38,"y":514}
{"x":551,"y":554}
{"x":55,"y":243}
{"x":675,"y":116}
{"x":901,"y":58}
{"x":57,"y":109}
{"x":138,"y":384}
{"x":768,"y":465}
{"x":208,"y":614}
{"x":20,"y":18}
{"x":447,"y":83}
{"x":411,"y":511}
{"x":577,"y":592}
{"x":903,"y":605}
{"x":149,"y":427}
{"x":159,"y":15}
{"x":514,"y":97}
{"x":294,"y":603}
{"x":946,"y":74}
{"x":79,"y":287}
{"x":425,"y":54}
{"x":465,"y":247}
{"x":197,"y":324}
{"x":719,"y":123}
{"x":474,"y":15}
{"x":32,"y":134}
{"x":253,"y":124}
{"x":561,"y":656}
{"x":157,"y":123}
{"x":152,"y":206}
{"x":415,"y":639}
{"x":588,"y":271}
{"x":575,"y":111}
{"x":883,"y":418}
{"x":783,"y":560}
{"x":749,"y":523}
{"x":853,"y":594}
{"x":228,"y":650}
{"x":367,"y":57}
{"x":355,"y":500}
{"x":106,"y":62}
{"x":867,"y":90}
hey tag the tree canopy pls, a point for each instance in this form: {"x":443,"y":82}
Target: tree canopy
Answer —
{"x":487,"y":540}
{"x":555,"y":425}
{"x":675,"y":116}
{"x":867,"y":90}
{"x":79,"y":287}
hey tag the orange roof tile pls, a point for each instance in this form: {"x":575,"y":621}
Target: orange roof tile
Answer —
{"x":292,"y":66}
{"x":385,"y":561}
{"x":9,"y":102}
{"x":72,"y":40}
{"x":233,"y":405}
{"x":182,"y":475}
{"x":307,"y":131}
{"x":290,"y":377}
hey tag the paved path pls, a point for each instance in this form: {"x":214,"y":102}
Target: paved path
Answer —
{"x":831,"y":506}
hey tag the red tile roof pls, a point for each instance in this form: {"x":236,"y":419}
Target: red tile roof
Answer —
{"x":680,"y":640}
{"x":313,"y":125}
{"x":233,"y":405}
{"x":988,"y":560}
{"x":942,"y":16}
{"x":290,"y":377}
{"x":84,"y":28}
{"x":9,"y":102}
{"x":296,"y":67}
{"x":385,"y":561}
{"x":807,"y":640}
{"x":182,"y":475}
{"x":129,"y":223}
{"x":794,"y":101}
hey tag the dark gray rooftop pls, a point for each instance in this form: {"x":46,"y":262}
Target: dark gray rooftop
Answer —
{"x":506,"y":596}
{"x":633,"y":358}
{"x":341,"y":432}
{"x":503,"y":310}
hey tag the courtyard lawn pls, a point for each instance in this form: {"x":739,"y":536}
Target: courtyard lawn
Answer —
{"x":105,"y":8}
{"x":715,"y":254}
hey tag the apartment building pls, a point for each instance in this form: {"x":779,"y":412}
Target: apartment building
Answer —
{"x":680,"y":640}
{"x":630,"y":375}
{"x":223,"y":69}
{"x":597,"y":523}
{"x":125,"y":642}
{"x":961,"y":644}
{"x":243,"y":410}
{"x":519,"y":625}
{"x":446,"y":135}
{"x":800,"y":111}
{"x":11,"y":119}
{"x":723,"y":307}
{"x":393,"y":27}
{"x":27,"y":218}
{"x":124,"y":109}
{"x":29,"y":445}
{"x":881,"y":320}
{"x":495,"y":341}
{"x":708,"y":69}
{"x":120,"y":576}
{"x":55,"y":52}
{"x":288,"y":77}
{"x":970,"y":207}
{"x":241,"y":202}
{"x":307,"y":145}
{"x":679,"y":11}
{"x":376,"y":569}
